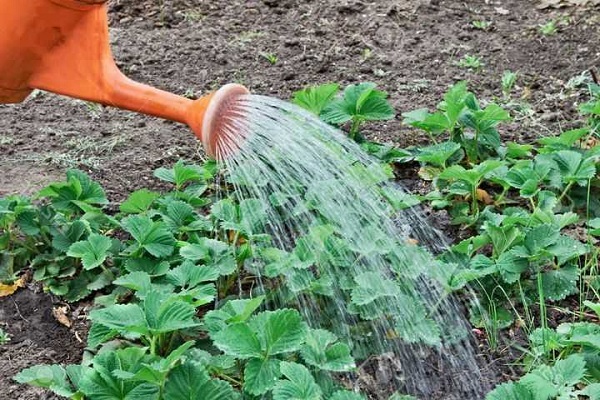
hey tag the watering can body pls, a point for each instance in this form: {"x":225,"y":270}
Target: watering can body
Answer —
{"x":62,"y":46}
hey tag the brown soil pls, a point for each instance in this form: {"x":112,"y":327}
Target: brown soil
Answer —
{"x":409,"y":48}
{"x":35,"y":338}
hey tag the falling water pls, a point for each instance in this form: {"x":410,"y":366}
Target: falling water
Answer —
{"x":343,"y":256}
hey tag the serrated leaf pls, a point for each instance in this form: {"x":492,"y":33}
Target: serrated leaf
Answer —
{"x":92,"y":252}
{"x":549,"y":382}
{"x":189,"y":381}
{"x":573,"y":167}
{"x":149,"y":235}
{"x":281,"y":331}
{"x":76,"y":194}
{"x":189,"y":275}
{"x":138,"y":202}
{"x":63,"y":238}
{"x":322,"y":351}
{"x":138,"y":281}
{"x":241,"y":310}
{"x":316,"y":98}
{"x":560,"y":283}
{"x":346,"y":395}
{"x":164,"y":313}
{"x":567,"y":248}
{"x":238,"y":340}
{"x":104,"y":382}
{"x":361,"y":102}
{"x":261,"y":375}
{"x":181,"y":174}
{"x":511,"y":391}
{"x":437,"y":154}
{"x":299,"y":385}
{"x":541,"y":237}
{"x":372,"y":286}
{"x":511,"y":266}
{"x":99,"y":334}
{"x":53,"y":377}
{"x":121,"y":317}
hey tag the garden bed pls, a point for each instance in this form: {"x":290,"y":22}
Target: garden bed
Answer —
{"x":409,"y":48}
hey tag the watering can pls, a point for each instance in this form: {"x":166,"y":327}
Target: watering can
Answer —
{"x":62,"y":46}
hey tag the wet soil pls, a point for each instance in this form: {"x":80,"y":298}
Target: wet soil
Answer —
{"x":409,"y":48}
{"x":36,"y":337}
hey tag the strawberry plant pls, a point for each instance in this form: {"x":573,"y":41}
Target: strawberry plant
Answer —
{"x":358,"y":104}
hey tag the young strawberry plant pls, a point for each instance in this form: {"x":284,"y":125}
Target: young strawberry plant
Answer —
{"x":358,"y":104}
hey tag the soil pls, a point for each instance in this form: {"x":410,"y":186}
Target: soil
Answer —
{"x":36,"y":337}
{"x":409,"y":48}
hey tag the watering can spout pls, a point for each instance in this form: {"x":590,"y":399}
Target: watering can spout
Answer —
{"x":62,"y":46}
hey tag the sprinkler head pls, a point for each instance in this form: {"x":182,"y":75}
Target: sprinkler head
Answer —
{"x":210,"y":117}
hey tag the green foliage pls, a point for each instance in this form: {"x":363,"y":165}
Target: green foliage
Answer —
{"x":520,"y":201}
{"x":358,"y":104}
{"x":158,"y":263}
{"x":509,"y":79}
{"x":461,"y":117}
{"x":563,"y":380}
{"x":4,"y":337}
{"x":316,"y":98}
{"x":549,"y":28}
{"x":470,"y":62}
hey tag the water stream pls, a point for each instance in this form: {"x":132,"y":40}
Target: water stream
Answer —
{"x":345,"y":256}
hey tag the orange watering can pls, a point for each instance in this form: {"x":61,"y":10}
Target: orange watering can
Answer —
{"x":62,"y":46}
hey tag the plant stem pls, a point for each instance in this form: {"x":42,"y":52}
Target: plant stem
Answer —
{"x":543,"y":314}
{"x":564,"y":192}
{"x":354,"y":129}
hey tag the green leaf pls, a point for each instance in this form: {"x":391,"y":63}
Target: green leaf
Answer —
{"x":150,"y":266}
{"x":99,"y":334}
{"x":594,"y":227}
{"x":104,"y":380}
{"x":190,"y":381}
{"x":567,"y":248}
{"x":139,"y":201}
{"x":149,"y":235}
{"x":181,"y":174}
{"x":165,"y":313}
{"x":64,"y":237}
{"x":238,"y":340}
{"x":347,"y":395}
{"x":299,"y":385}
{"x":594,"y":306}
{"x":437,"y":154}
{"x":261,"y":375}
{"x":574,"y":168}
{"x":189,"y":275}
{"x":316,"y":98}
{"x":560,"y":283}
{"x":592,"y":391}
{"x":76,"y":194}
{"x":511,"y":391}
{"x":511,"y":266}
{"x":53,"y":377}
{"x":541,"y":237}
{"x":241,"y":310}
{"x":322,"y":351}
{"x":372,"y":286}
{"x":564,"y":141}
{"x":281,"y":331}
{"x":549,"y":382}
{"x":121,"y":317}
{"x":138,"y":281}
{"x":359,"y":102}
{"x":455,"y":102}
{"x":92,"y":252}
{"x":502,"y":237}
